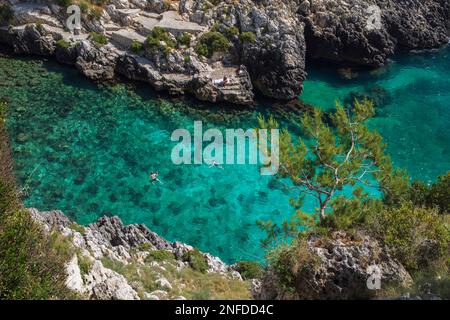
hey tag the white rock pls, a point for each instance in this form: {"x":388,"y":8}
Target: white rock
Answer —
{"x":163,"y":282}
{"x":74,"y":280}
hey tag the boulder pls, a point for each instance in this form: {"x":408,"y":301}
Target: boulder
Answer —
{"x":342,"y":269}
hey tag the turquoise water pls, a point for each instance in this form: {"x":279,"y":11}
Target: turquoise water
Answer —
{"x":88,"y":151}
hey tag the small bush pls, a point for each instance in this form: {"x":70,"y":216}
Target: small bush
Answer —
{"x":406,"y":229}
{"x":159,"y":255}
{"x":99,"y":38}
{"x":291,"y":262}
{"x":185,"y":39}
{"x":212,"y":42}
{"x":136,"y":46}
{"x":63,"y":44}
{"x":440,"y":193}
{"x":95,"y":13}
{"x":196,"y":260}
{"x":249,"y":269}
{"x":248,"y":37}
{"x":157,"y":35}
{"x":231,"y":32}
{"x":202,"y":50}
{"x":84,"y":6}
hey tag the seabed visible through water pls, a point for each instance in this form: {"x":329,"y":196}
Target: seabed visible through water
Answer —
{"x":88,"y":151}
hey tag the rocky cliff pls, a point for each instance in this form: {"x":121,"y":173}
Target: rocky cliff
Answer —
{"x":129,"y":262}
{"x":340,"y":266}
{"x":258,"y":44}
{"x":114,"y":261}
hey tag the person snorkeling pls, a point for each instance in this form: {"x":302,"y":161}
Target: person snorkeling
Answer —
{"x":154,"y":178}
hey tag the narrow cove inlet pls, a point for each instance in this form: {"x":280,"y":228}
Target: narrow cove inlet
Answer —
{"x":88,"y":151}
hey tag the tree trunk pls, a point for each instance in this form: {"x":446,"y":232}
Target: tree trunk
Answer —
{"x":322,"y":213}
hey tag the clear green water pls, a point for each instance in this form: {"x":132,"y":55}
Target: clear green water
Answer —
{"x":88,"y":151}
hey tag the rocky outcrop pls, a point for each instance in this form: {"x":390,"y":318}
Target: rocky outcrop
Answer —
{"x":108,"y":238}
{"x":277,"y":58}
{"x":338,"y":267}
{"x":356,"y":32}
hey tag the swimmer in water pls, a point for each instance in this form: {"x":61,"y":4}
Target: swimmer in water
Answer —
{"x":154,"y":178}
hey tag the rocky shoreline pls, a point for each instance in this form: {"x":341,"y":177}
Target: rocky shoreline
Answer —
{"x":113,"y":261}
{"x":108,"y":240}
{"x":264,"y":44}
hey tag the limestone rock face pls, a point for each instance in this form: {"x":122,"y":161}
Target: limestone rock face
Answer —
{"x":106,"y":284}
{"x":32,"y":40}
{"x":281,"y":34}
{"x":276,"y":60}
{"x":356,"y":32}
{"x":109,"y":238}
{"x":97,"y":63}
{"x":343,"y":270}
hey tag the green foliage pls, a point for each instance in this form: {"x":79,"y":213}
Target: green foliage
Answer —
{"x":291,"y":262}
{"x":84,"y":264}
{"x":84,"y":6}
{"x":64,"y":3}
{"x":231,"y":32}
{"x":299,"y":225}
{"x":439,"y":194}
{"x":185,"y":39}
{"x":63,"y":44}
{"x":212,"y":42}
{"x":153,"y":43}
{"x":159,"y":255}
{"x":136,"y":46}
{"x":202,"y":50}
{"x":248,"y":37}
{"x":249,"y":269}
{"x":32,"y":264}
{"x":95,"y":13}
{"x":331,"y":156}
{"x":145,"y":246}
{"x":397,"y":190}
{"x":352,"y":214}
{"x":78,"y":228}
{"x":99,"y":38}
{"x":157,"y":35}
{"x":196,"y":260}
{"x":406,"y":228}
{"x":6,"y":13}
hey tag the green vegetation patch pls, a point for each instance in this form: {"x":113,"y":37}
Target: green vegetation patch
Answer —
{"x":63,"y":44}
{"x":212,"y":42}
{"x":98,"y":38}
{"x":157,"y":35}
{"x":247,"y":37}
{"x":196,"y":260}
{"x":159,"y":255}
{"x":249,"y":269}
{"x":136,"y":46}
